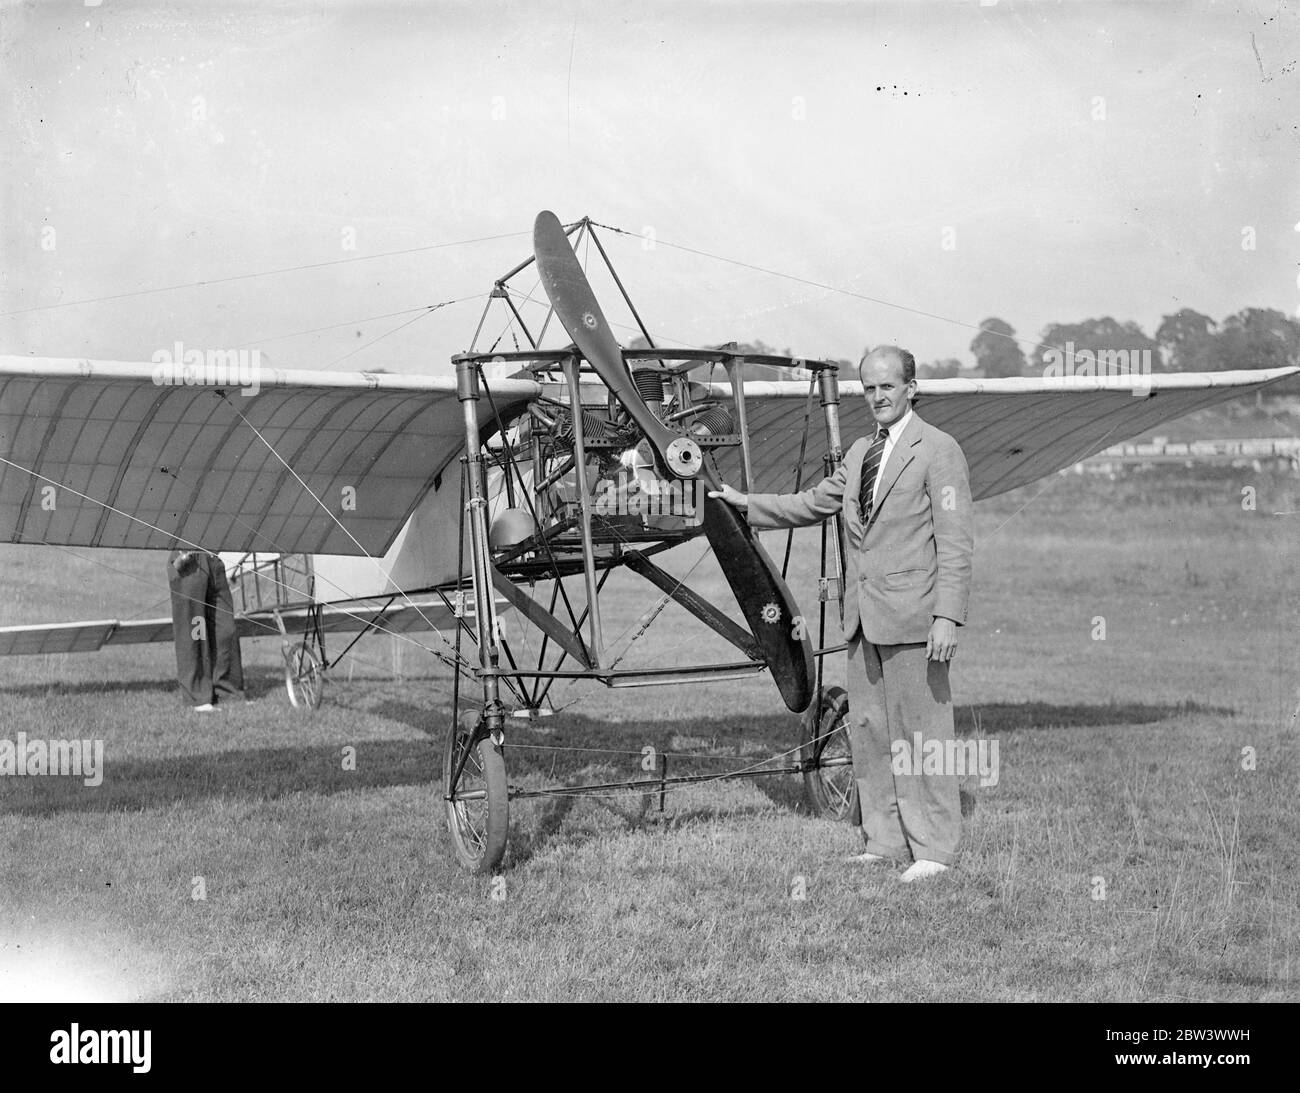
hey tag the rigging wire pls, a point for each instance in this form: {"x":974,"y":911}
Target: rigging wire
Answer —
{"x":386,"y":334}
{"x":823,"y":285}
{"x":272,"y":631}
{"x":655,"y":789}
{"x":455,"y":664}
{"x":325,"y":509}
{"x":358,"y":322}
{"x":276,"y":548}
{"x":179,"y":539}
{"x":621,"y":326}
{"x":260,"y":273}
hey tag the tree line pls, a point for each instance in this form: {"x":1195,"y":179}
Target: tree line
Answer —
{"x":1186,"y":341}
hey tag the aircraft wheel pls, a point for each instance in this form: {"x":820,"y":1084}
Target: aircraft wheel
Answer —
{"x":478,"y":805}
{"x":304,"y":676}
{"x":828,"y":780}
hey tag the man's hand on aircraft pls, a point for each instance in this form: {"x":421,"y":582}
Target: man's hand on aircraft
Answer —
{"x":942,"y":645}
{"x":732,"y":496}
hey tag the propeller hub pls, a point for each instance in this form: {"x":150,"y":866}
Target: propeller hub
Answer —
{"x":683,"y":457}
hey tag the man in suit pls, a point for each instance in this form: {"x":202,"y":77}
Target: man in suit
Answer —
{"x":208,"y":664}
{"x":905,"y":494}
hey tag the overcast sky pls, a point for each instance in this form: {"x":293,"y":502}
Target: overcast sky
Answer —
{"x":1038,"y":162}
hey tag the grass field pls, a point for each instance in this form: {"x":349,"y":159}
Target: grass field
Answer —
{"x":1126,"y":853}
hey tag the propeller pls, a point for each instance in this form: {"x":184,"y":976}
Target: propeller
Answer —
{"x":763,"y":596}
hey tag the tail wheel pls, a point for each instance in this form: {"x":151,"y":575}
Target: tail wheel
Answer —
{"x":828,"y":780}
{"x":478,"y":803}
{"x":304,"y":676}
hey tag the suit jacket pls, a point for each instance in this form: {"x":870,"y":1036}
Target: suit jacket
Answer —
{"x":912,"y":561}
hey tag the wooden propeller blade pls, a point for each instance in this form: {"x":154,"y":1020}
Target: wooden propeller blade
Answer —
{"x":763,"y":596}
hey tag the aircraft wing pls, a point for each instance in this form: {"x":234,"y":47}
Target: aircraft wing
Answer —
{"x":400,"y":616}
{"x":135,"y":464}
{"x":97,"y":453}
{"x":59,"y":637}
{"x":1012,"y":431}
{"x":86,"y":637}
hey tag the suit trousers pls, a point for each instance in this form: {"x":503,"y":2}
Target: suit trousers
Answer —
{"x":909,"y":809}
{"x":208,"y":666}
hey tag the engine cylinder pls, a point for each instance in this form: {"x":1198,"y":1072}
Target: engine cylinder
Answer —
{"x":650,"y":386}
{"x":594,"y":426}
{"x":715,"y":420}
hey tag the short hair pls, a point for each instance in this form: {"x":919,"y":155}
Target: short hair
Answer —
{"x":905,"y":358}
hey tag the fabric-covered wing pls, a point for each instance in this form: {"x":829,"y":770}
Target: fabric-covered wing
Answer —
{"x":97,"y":453}
{"x":1012,"y":431}
{"x":58,"y":637}
{"x":82,"y":637}
{"x":389,"y":616}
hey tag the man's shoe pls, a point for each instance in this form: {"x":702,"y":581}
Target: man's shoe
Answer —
{"x":207,"y":707}
{"x":922,"y":870}
{"x":866,"y":858}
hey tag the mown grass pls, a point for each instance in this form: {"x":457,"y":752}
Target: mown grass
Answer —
{"x":1121,"y":762}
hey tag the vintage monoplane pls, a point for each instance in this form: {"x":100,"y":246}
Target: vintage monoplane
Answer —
{"x":520,"y":485}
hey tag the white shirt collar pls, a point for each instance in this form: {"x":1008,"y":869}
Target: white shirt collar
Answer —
{"x":896,"y":430}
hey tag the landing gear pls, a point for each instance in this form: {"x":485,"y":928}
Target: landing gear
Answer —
{"x":304,"y":676}
{"x":474,"y":785}
{"x":828,"y":780}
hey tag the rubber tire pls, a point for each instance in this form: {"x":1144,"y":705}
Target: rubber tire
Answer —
{"x":478,"y":828}
{"x":304,"y":677}
{"x":824,"y":788}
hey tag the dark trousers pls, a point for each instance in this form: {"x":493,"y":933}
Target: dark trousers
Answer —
{"x":208,"y":665}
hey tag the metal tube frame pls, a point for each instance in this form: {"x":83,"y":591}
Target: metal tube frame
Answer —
{"x":828,"y":382}
{"x":475,"y":513}
{"x":570,"y":367}
{"x":485,"y":620}
{"x":733,"y":366}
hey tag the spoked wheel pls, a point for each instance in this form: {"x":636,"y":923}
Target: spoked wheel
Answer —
{"x":478,"y":803}
{"x":304,"y":676}
{"x":828,"y":780}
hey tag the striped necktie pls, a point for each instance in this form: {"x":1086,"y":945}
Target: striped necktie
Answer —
{"x":870,"y":467}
